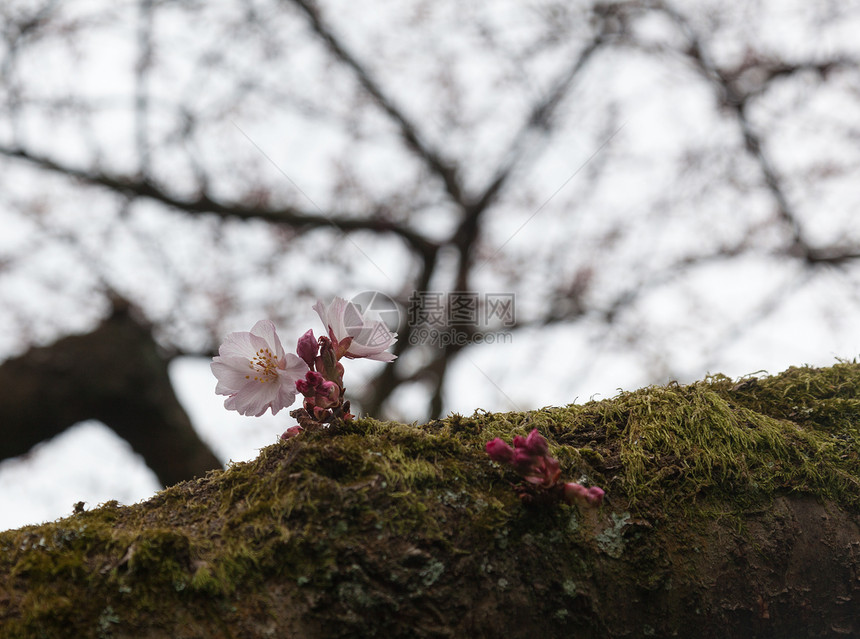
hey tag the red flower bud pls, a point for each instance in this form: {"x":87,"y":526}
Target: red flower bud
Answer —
{"x":307,"y":348}
{"x":292,"y":431}
{"x":524,"y":463}
{"x":544,"y":471}
{"x":309,"y":385}
{"x":535,"y":444}
{"x":499,"y":451}
{"x":578,"y":494}
{"x":574,"y":493}
{"x":595,"y":496}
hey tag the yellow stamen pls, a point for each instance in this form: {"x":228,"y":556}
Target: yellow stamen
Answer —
{"x":264,"y":363}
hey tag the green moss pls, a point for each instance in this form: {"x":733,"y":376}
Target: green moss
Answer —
{"x":314,"y":511}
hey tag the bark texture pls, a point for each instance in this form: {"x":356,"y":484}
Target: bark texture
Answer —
{"x":732,"y":510}
{"x":115,"y":374}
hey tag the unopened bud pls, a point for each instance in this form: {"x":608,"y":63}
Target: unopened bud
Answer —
{"x":307,"y":348}
{"x":499,"y":451}
{"x":535,"y":444}
{"x":292,"y":431}
{"x":595,"y":496}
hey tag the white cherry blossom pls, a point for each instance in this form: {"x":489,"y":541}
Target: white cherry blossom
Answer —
{"x":370,"y":337}
{"x":254,"y":371}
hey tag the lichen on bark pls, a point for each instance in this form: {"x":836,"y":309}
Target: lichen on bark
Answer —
{"x":732,"y":509}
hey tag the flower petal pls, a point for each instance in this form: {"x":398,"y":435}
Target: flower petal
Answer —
{"x":254,"y":399}
{"x":241,"y":344}
{"x":266,"y":330}
{"x":230,"y":378}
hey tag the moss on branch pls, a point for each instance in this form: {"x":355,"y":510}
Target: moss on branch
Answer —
{"x":386,"y":529}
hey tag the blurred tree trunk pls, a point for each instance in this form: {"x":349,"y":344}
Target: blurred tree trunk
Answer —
{"x":116,"y":375}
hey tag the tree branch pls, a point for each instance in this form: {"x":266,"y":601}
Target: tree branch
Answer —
{"x":434,"y":162}
{"x":115,"y":374}
{"x":295,"y":218}
{"x":733,"y":98}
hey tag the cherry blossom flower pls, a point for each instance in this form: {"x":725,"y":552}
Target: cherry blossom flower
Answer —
{"x":354,"y":334}
{"x":255,"y":373}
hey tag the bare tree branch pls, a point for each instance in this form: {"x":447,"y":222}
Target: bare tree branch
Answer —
{"x":408,"y":129}
{"x":732,"y":97}
{"x":144,"y":188}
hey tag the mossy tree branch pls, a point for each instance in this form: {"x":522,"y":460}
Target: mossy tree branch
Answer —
{"x":732,"y":510}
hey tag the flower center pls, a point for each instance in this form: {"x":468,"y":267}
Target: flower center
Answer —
{"x":265,"y":366}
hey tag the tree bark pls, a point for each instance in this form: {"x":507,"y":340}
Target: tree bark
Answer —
{"x":115,"y":374}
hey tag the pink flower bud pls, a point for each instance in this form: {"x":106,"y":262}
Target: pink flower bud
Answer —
{"x":309,"y":385}
{"x":574,"y":493}
{"x":327,"y":395}
{"x":523,"y":463}
{"x":307,"y":348}
{"x":329,"y":390}
{"x":578,"y":494}
{"x":499,"y":451}
{"x":292,"y":431}
{"x":595,"y":496}
{"x":327,"y":362}
{"x":552,"y":471}
{"x":535,"y":444}
{"x":544,"y":471}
